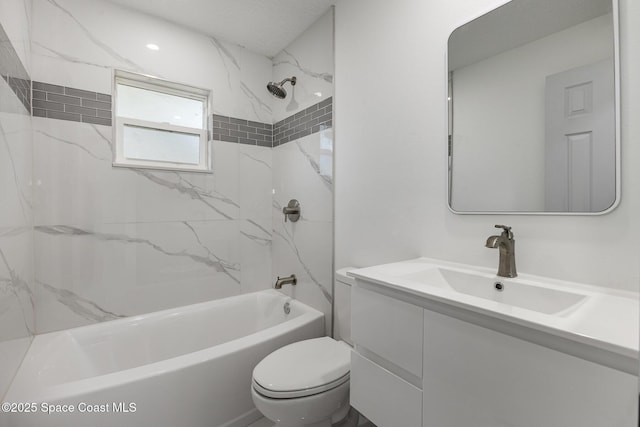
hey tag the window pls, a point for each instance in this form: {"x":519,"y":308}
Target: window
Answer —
{"x":160,"y":124}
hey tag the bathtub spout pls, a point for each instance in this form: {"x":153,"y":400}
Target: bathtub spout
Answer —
{"x":291,"y":280}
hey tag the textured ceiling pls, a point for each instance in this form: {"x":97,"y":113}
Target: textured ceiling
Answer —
{"x":262,"y":26}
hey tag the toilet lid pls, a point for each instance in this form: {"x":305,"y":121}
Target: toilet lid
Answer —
{"x":303,"y":368}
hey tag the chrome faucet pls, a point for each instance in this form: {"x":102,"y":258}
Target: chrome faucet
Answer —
{"x":291,"y":280}
{"x":507,"y":246}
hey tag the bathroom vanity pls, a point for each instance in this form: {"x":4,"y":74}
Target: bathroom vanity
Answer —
{"x":449,"y":345}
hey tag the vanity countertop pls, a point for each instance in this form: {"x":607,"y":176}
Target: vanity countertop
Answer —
{"x":596,"y":323}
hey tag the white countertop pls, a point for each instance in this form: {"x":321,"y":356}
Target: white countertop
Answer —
{"x":605,"y":319}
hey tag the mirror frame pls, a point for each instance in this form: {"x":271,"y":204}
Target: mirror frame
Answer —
{"x":616,"y":79}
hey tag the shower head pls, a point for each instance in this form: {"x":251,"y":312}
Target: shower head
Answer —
{"x":277,"y":90}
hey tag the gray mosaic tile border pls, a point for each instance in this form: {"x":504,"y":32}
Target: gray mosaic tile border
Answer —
{"x":67,"y":103}
{"x":13,"y":72}
{"x":230,"y":129}
{"x":306,"y":122}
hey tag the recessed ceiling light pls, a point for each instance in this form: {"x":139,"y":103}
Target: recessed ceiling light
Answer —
{"x":153,"y":46}
{"x":318,"y":94}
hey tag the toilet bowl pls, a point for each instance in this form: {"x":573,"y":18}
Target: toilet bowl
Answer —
{"x":305,"y":384}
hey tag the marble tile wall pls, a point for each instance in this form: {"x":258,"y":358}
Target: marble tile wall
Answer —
{"x":305,"y":248}
{"x":303,"y":167}
{"x":310,"y":58}
{"x":16,"y":214}
{"x":13,"y":71}
{"x":112,"y":242}
{"x":77,"y":43}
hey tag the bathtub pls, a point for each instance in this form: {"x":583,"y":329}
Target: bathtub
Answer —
{"x":190,"y":366}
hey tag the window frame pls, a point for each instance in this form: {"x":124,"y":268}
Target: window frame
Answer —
{"x":155,"y":84}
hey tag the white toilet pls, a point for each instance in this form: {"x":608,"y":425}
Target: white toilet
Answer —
{"x":306,"y":383}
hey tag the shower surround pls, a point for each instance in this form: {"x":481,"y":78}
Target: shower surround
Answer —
{"x":303,"y":166}
{"x":16,"y":214}
{"x":114,"y":242}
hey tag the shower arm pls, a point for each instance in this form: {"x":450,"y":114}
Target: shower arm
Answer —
{"x":288,"y":79}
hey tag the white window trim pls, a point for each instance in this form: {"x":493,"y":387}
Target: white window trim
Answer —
{"x":171,"y":88}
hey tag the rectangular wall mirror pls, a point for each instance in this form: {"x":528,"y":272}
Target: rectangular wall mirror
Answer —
{"x":534,"y":109}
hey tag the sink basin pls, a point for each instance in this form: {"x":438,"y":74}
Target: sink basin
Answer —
{"x":502,"y":290}
{"x":590,"y":322}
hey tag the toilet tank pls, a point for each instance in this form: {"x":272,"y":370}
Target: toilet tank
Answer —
{"x":342,"y":305}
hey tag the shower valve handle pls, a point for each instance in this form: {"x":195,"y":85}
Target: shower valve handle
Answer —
{"x":292,"y":211}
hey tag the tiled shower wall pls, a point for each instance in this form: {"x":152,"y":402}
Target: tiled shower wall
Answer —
{"x":16,"y":216}
{"x":303,"y":166}
{"x":113,"y":242}
{"x":67,"y":103}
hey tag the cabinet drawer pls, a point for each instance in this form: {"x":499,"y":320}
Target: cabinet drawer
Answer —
{"x":390,"y":328}
{"x":385,"y":399}
{"x":478,"y":377}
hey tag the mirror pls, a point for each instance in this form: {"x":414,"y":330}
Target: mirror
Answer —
{"x":533,"y":109}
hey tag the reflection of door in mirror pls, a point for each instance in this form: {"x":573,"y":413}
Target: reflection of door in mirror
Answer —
{"x":580,"y":139}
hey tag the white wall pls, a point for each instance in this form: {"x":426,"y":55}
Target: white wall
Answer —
{"x":16,"y":213}
{"x":390,"y":170}
{"x":511,"y":86}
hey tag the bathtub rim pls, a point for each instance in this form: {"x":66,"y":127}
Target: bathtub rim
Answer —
{"x":24,"y":389}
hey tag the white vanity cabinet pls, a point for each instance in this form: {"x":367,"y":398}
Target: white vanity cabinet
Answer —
{"x":419,"y":362}
{"x":474,"y":376}
{"x":386,"y":365}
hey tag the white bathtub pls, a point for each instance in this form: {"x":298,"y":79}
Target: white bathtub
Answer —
{"x":189,"y":366}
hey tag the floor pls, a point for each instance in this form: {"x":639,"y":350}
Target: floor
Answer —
{"x":263,"y":422}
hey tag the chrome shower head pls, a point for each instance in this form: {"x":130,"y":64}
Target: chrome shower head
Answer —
{"x":277,"y":89}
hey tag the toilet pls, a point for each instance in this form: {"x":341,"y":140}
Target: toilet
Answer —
{"x":307,"y":383}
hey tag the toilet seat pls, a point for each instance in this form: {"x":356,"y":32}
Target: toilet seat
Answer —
{"x":299,"y":393}
{"x":303,"y":369}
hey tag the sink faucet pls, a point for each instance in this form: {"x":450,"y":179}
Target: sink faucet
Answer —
{"x":507,"y":246}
